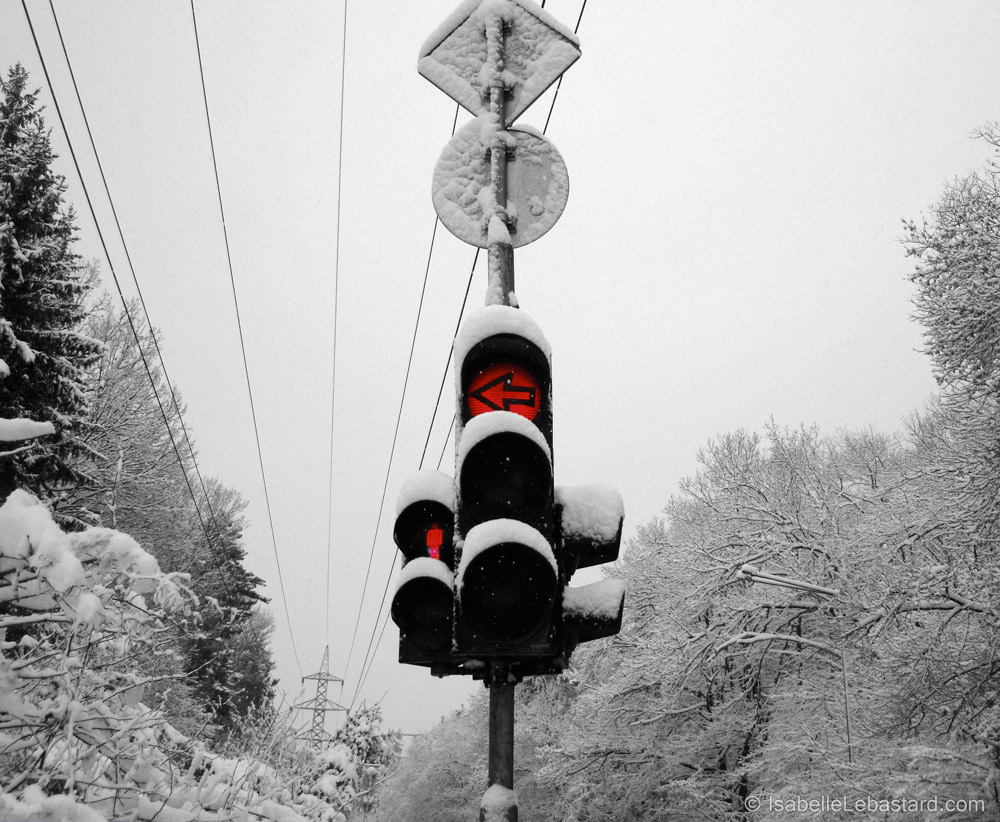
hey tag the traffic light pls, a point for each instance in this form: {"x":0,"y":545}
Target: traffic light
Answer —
{"x":590,"y":533}
{"x":424,"y":599}
{"x":488,"y":556}
{"x":507,"y":578}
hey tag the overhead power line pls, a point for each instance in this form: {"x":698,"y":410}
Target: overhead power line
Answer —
{"x":149,"y":322}
{"x":336,"y":279}
{"x":239,"y":327}
{"x":555,"y":96}
{"x":392,"y":450}
{"x":447,"y":365}
{"x":135,"y":279}
{"x":370,"y":651}
{"x":128,"y":315}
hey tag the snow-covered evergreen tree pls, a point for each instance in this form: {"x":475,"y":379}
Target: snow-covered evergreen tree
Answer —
{"x":348,"y":773}
{"x":43,"y":286}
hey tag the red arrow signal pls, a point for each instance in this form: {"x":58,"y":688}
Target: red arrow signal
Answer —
{"x":504,"y":387}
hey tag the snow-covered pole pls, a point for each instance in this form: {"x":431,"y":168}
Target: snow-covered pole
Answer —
{"x":500,"y":283}
{"x":499,"y":803}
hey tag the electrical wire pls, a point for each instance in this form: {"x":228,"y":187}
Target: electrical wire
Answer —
{"x":239,"y":327}
{"x":149,"y":322}
{"x":135,"y":279}
{"x":392,"y":449}
{"x":114,"y":276}
{"x":444,"y":445}
{"x":555,"y":96}
{"x":370,"y":651}
{"x":447,"y":365}
{"x":370,"y":661}
{"x":336,"y":279}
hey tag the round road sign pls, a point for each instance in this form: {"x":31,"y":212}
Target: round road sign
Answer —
{"x":537,"y":185}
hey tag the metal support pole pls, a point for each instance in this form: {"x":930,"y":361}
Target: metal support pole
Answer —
{"x":500,"y":802}
{"x":500,"y":285}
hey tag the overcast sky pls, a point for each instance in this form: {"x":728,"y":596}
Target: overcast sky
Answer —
{"x":730,"y":251}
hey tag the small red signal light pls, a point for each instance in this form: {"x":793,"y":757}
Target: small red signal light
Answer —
{"x":504,"y":386}
{"x":435,"y":539}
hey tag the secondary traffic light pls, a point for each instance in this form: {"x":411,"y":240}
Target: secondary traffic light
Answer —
{"x":508,"y":576}
{"x":590,"y":533}
{"x":424,"y":599}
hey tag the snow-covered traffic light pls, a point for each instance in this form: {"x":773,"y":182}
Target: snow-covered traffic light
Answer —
{"x":590,"y":519}
{"x":507,"y":578}
{"x":488,"y":556}
{"x":424,"y":600}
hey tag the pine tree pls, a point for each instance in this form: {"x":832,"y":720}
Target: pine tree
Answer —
{"x":43,"y":287}
{"x":229,"y":590}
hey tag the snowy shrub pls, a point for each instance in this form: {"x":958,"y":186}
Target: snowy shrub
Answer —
{"x":82,"y":616}
{"x":75,"y":622}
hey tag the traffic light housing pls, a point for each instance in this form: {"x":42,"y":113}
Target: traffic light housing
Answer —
{"x":507,"y":585}
{"x":423,"y":604}
{"x":590,"y":533}
{"x":497,"y":590}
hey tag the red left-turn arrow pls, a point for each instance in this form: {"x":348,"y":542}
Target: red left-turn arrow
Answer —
{"x":504,"y":387}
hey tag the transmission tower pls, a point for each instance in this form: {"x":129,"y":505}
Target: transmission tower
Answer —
{"x":316,"y":733}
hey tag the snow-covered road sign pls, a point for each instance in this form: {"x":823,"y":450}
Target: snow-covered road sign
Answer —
{"x":537,"y":49}
{"x":537,"y":186}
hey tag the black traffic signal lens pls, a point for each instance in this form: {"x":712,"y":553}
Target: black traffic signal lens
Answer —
{"x":506,"y":476}
{"x":422,"y":609}
{"x":507,"y":593}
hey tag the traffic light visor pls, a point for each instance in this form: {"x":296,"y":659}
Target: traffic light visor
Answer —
{"x":424,"y":529}
{"x":504,"y":469}
{"x":503,"y":363}
{"x":507,"y":581}
{"x":423,"y":603}
{"x":425,"y":518}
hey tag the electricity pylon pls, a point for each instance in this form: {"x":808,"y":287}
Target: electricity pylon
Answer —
{"x":316,"y":733}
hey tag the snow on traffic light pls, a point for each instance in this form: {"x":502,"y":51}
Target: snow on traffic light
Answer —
{"x":489,"y":556}
{"x":508,"y":577}
{"x":590,"y":533}
{"x":424,"y":600}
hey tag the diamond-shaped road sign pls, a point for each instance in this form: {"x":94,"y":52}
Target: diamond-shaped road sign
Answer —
{"x":537,"y":50}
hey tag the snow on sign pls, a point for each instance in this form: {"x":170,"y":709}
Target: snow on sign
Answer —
{"x":537,"y":49}
{"x":537,"y":185}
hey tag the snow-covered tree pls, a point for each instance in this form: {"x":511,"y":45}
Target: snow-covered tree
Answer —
{"x":215,"y":561}
{"x":957,"y":275}
{"x":93,"y":603}
{"x":141,"y":464}
{"x":442,"y":774}
{"x":347,"y":774}
{"x":137,"y":455}
{"x":43,"y":286}
{"x":83,"y":736}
